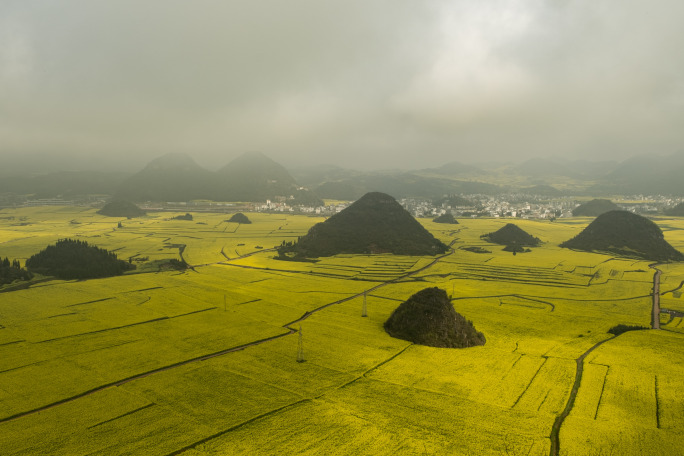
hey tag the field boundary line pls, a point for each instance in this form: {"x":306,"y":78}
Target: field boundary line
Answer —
{"x":114,"y":328}
{"x":237,"y":426}
{"x":121,"y":416}
{"x":221,"y":352}
{"x":531,"y":381}
{"x":603,"y":387}
{"x":555,"y":429}
{"x":143,"y":375}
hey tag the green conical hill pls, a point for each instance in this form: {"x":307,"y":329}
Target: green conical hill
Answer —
{"x":429,"y":318}
{"x":447,"y":217}
{"x":239,"y":217}
{"x":121,"y":209}
{"x":376,"y":223}
{"x":512,"y":235}
{"x":625,"y":233}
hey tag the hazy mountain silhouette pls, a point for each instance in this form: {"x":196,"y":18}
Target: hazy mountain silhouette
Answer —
{"x":401,"y":185}
{"x":457,"y":169}
{"x":250,"y":177}
{"x":255,"y":177}
{"x":171,"y":177}
{"x":577,"y":169}
{"x":594,"y":208}
{"x":542,"y":189}
{"x":66,"y":184}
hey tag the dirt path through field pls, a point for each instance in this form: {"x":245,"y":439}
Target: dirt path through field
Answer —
{"x":655,"y":324}
{"x":225,"y":351}
{"x":555,"y":430}
{"x":655,"y":314}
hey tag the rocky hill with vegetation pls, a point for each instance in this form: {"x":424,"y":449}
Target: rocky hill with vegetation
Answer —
{"x":121,"y":209}
{"x":627,"y":234}
{"x":428,"y":318}
{"x":594,"y":208}
{"x":376,"y":223}
{"x":512,"y":235}
{"x":73,"y":259}
{"x":239,"y":217}
{"x":447,"y":217}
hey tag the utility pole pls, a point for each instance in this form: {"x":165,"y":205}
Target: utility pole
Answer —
{"x":364,"y":310}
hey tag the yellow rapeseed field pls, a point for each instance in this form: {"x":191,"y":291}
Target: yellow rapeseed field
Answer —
{"x":204,"y":362}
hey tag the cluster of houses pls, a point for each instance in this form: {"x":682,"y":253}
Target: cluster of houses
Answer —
{"x":478,"y":205}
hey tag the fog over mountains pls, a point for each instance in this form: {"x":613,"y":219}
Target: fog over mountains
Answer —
{"x":254,"y":176}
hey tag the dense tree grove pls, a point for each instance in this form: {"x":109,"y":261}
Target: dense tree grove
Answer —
{"x":74,"y":259}
{"x":11,"y":271}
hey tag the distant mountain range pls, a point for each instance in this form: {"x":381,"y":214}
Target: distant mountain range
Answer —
{"x":250,"y":177}
{"x":255,"y":177}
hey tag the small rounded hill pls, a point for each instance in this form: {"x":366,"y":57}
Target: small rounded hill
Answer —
{"x":239,"y":217}
{"x":376,"y":223}
{"x":625,"y":233}
{"x":428,"y":318}
{"x":121,"y":209}
{"x":447,"y":217}
{"x":594,"y":208}
{"x":511,"y":235}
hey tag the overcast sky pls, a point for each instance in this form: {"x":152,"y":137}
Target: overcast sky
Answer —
{"x":358,"y":83}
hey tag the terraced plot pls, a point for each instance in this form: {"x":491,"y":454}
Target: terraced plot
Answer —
{"x":204,"y":361}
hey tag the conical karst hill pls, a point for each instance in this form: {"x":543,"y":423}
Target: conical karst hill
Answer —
{"x":447,"y":217}
{"x":376,"y":223}
{"x":429,"y":318}
{"x":594,"y":208}
{"x":121,"y":209}
{"x":255,"y":177}
{"x":625,"y":233}
{"x":239,"y":217}
{"x":512,"y":235}
{"x":172,"y":177}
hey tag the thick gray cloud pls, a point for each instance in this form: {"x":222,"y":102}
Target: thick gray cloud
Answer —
{"x":383,"y":83}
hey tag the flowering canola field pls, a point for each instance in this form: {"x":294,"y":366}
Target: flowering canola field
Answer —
{"x":204,"y":362}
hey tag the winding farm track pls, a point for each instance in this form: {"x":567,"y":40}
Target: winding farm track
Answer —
{"x":225,"y":351}
{"x":655,"y":324}
{"x":655,"y":313}
{"x":555,"y":429}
